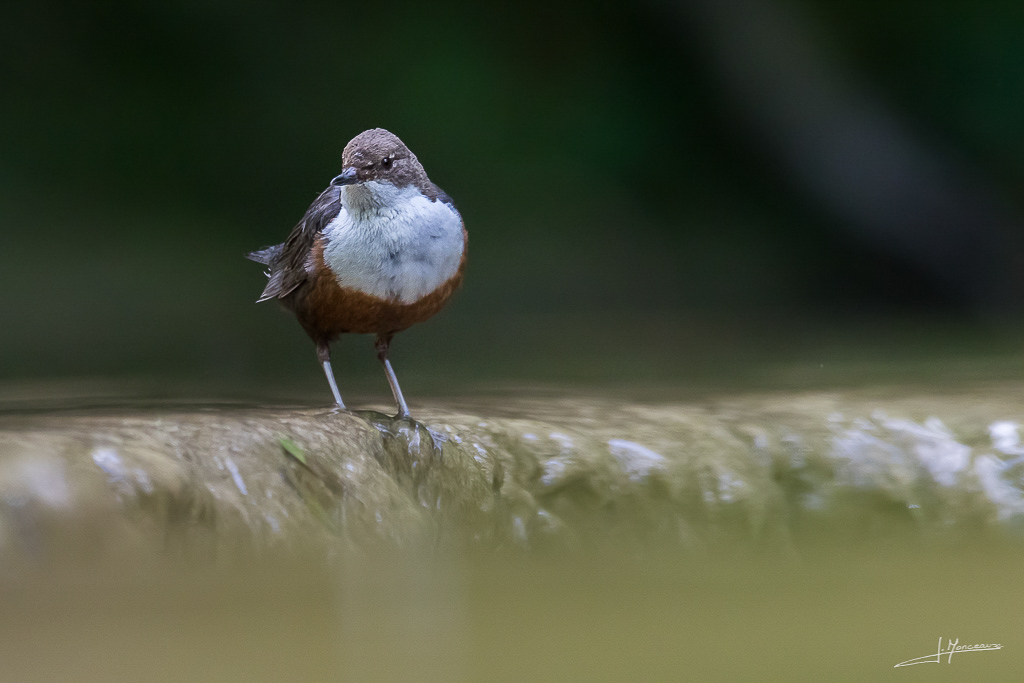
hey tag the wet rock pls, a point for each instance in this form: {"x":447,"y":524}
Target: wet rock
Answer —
{"x":774,"y":470}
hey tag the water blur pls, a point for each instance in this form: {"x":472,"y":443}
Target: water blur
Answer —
{"x":802,"y":535}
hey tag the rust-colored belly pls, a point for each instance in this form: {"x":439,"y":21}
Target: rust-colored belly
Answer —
{"x":326,"y":309}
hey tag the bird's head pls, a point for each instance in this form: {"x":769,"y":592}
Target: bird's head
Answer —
{"x":378,"y":156}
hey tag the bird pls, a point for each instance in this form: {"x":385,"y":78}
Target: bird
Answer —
{"x":381,"y":249}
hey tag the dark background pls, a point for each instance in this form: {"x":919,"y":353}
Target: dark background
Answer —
{"x":662,"y":193}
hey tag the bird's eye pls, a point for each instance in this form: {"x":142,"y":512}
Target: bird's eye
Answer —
{"x":386,"y":162}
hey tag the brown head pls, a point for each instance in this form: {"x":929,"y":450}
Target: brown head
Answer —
{"x":379,"y":155}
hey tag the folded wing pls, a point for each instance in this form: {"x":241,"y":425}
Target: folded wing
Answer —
{"x":287,"y":261}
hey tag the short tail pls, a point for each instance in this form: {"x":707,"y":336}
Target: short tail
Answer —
{"x":265,"y":256}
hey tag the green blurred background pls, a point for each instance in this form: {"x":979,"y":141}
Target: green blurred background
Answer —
{"x":658,"y":194}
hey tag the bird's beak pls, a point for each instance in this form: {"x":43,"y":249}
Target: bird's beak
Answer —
{"x":347,"y":177}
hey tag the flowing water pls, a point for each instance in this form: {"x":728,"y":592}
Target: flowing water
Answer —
{"x":801,"y":535}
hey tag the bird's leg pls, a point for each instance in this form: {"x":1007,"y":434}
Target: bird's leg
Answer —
{"x":383,"y":342}
{"x":323,"y":353}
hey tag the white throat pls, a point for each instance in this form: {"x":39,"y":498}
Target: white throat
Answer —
{"x":363,"y":200}
{"x":393,"y":243}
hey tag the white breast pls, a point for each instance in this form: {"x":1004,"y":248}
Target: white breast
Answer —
{"x":393,"y":243}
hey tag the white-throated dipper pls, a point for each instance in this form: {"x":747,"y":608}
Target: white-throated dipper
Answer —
{"x":381,"y":249}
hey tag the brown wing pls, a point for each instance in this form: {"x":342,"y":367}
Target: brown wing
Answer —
{"x":287,"y":261}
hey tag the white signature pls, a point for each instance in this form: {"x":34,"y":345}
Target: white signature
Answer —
{"x":952,"y":646}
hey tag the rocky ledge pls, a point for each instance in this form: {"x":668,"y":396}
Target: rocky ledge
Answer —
{"x":774,"y":470}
